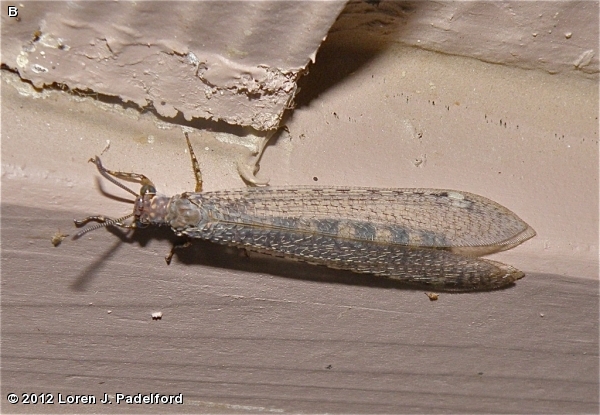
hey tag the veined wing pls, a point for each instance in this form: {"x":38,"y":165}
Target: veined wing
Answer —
{"x":460,"y":222}
{"x":436,"y":268}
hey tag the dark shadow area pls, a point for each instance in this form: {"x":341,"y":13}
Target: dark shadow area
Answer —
{"x":363,"y":30}
{"x":142,"y":237}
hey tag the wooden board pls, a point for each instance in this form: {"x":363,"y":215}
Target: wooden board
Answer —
{"x":243,"y":334}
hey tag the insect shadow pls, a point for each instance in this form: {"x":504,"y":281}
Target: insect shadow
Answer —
{"x":141,"y":237}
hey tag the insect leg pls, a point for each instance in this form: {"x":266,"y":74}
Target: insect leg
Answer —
{"x":169,"y":257}
{"x":248,"y":167}
{"x":195,"y":165}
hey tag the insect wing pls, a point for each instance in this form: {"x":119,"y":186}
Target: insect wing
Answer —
{"x":436,"y":268}
{"x":462,"y":222}
{"x":412,"y":235}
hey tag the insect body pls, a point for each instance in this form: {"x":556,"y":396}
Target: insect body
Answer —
{"x":419,"y":236}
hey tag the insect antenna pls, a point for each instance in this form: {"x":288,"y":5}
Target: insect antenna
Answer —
{"x":104,"y":222}
{"x":106,"y":174}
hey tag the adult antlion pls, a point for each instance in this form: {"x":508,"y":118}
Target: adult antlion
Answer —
{"x":428,"y":237}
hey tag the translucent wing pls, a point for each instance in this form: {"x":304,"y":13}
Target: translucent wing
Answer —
{"x":437,"y":268}
{"x":419,"y":236}
{"x":462,"y":222}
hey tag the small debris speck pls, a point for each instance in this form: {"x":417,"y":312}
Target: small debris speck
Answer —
{"x":432,"y":296}
{"x":57,"y":238}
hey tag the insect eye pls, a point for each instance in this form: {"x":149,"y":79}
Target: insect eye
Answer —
{"x":147,"y":189}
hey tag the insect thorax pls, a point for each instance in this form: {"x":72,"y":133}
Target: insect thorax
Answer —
{"x":182,"y":213}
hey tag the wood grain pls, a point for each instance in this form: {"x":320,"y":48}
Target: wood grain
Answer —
{"x":243,"y":334}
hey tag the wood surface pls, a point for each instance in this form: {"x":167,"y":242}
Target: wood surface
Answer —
{"x":249,"y":334}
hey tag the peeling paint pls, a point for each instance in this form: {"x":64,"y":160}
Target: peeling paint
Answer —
{"x":220,"y":65}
